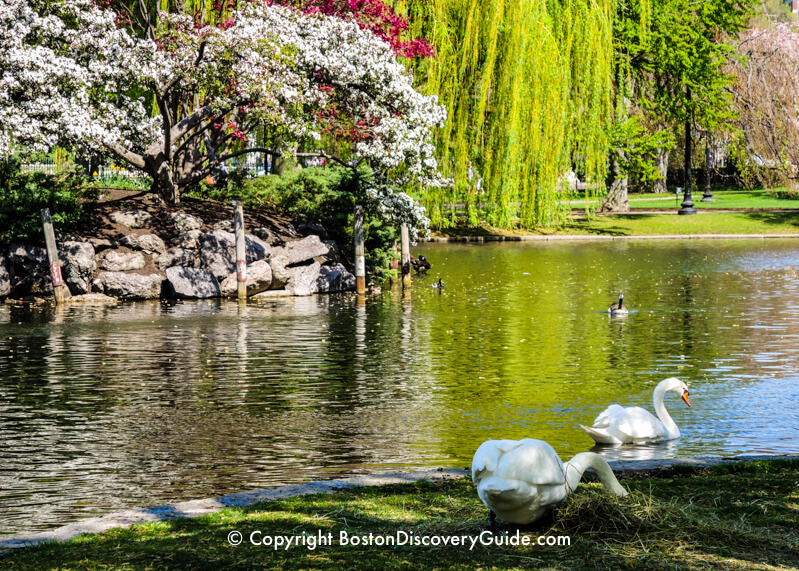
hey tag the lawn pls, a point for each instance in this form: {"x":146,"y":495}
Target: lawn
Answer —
{"x":758,"y":198}
{"x":739,"y":516}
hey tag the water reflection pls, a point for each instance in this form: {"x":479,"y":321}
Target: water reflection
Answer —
{"x":104,"y":407}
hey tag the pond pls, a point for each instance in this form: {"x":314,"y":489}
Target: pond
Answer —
{"x":139,"y":404}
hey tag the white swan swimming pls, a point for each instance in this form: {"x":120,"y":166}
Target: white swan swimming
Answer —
{"x":522,"y":480}
{"x":633,"y":424}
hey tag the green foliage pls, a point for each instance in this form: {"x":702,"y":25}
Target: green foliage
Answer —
{"x":785,"y":193}
{"x":320,"y":195}
{"x":528,"y":91}
{"x":23,"y":195}
{"x":637,"y":149}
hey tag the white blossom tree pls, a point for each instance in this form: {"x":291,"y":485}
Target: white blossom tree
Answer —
{"x":187,"y":97}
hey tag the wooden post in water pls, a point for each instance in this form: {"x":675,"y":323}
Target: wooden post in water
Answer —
{"x":406,"y":256}
{"x":60,"y":291}
{"x":360,"y":259}
{"x":241,"y":256}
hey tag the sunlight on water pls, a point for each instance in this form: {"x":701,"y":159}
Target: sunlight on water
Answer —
{"x":144,"y":403}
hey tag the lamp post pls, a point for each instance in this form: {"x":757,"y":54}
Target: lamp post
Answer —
{"x":687,"y":203}
{"x":707,"y":196}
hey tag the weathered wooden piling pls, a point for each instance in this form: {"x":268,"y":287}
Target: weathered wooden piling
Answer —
{"x":60,"y":290}
{"x":406,"y":256}
{"x":360,"y":260}
{"x":241,"y":256}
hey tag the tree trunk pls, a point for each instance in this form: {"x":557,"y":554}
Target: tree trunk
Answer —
{"x":163,"y":179}
{"x":616,"y":198}
{"x":662,"y":163}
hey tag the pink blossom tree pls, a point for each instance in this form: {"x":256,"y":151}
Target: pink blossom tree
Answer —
{"x":73,"y":72}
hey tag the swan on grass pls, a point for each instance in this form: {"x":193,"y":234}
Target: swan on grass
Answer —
{"x":522,"y":480}
{"x":635,"y":425}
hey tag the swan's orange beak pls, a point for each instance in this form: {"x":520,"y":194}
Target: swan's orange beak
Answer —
{"x":685,"y":398}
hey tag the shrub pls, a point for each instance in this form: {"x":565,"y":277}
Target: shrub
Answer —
{"x":23,"y":195}
{"x":791,"y":193}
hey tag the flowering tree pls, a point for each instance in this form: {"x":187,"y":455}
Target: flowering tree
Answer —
{"x":72,"y":74}
{"x":766,"y":94}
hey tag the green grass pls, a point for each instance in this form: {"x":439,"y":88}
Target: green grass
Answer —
{"x":723,"y":199}
{"x":741,"y":516}
{"x":701,"y":223}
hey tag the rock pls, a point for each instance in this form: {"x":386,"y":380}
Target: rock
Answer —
{"x":226,"y":225}
{"x":100,"y":244}
{"x":259,"y":278}
{"x":5,"y":278}
{"x":119,"y":261}
{"x":192,"y":283}
{"x":280,"y":274}
{"x":334,"y":278}
{"x":274,"y":293}
{"x":178,"y":257}
{"x":219,"y":252}
{"x":147,"y":242}
{"x":92,"y":298}
{"x":300,"y":251}
{"x":312,"y":228}
{"x":28,"y":270}
{"x":183,"y":222}
{"x":304,"y":279}
{"x":333,"y":255}
{"x":190,"y":240}
{"x":26,"y":254}
{"x":77,"y":265}
{"x":129,"y":286}
{"x":132,"y":218}
{"x":268,"y":236}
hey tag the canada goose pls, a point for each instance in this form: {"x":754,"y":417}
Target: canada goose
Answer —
{"x":618,"y":308}
{"x":635,"y":425}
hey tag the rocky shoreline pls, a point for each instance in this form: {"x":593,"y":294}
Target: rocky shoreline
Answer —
{"x":139,"y":254}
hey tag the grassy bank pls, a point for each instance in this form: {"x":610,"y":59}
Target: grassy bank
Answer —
{"x":774,"y":223}
{"x":740,"y":516}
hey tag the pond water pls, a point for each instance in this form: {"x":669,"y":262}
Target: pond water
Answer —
{"x":144,"y":403}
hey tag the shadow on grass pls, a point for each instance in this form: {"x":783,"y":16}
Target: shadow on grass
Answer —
{"x":776,"y":218}
{"x":743,"y":517}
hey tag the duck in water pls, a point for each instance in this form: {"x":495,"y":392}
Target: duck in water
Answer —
{"x":618,"y":308}
{"x":439,"y":285}
{"x":420,"y":264}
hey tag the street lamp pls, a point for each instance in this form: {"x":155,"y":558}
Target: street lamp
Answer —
{"x":687,"y":203}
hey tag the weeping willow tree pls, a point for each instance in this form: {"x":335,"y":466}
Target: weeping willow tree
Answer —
{"x":529,"y":89}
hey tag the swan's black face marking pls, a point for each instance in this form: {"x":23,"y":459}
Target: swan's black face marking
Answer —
{"x":685,"y":398}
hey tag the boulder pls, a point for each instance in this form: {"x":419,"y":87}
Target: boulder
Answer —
{"x":190,"y":240}
{"x":268,"y":236}
{"x":304,"y":279}
{"x":120,"y":261}
{"x":300,"y":251}
{"x":28,"y":270}
{"x":178,"y":257}
{"x":312,"y":228}
{"x":219,"y":252}
{"x":132,"y":218}
{"x":192,"y":283}
{"x":334,"y":278}
{"x":5,"y":278}
{"x":259,"y":278}
{"x":77,"y":265}
{"x":100,"y":244}
{"x":280,"y":274}
{"x":183,"y":222}
{"x":129,"y":286}
{"x":25,"y":254}
{"x":147,"y":242}
{"x":226,"y":225}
